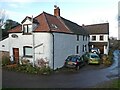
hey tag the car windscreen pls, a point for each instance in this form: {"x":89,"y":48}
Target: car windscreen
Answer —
{"x":94,"y":56}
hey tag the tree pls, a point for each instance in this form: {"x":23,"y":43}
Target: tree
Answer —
{"x":9,"y":24}
{"x":3,"y":17}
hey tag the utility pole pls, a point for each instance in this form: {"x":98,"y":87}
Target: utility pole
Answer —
{"x":33,"y":44}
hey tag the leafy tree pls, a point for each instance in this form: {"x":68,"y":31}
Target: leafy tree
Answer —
{"x":9,"y":24}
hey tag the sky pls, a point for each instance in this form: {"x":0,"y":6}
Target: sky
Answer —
{"x":85,"y":12}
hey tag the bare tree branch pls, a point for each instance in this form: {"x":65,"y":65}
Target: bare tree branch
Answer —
{"x":3,"y":17}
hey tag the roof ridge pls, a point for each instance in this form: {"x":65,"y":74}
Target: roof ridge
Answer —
{"x":97,"y":24}
{"x":46,"y":21}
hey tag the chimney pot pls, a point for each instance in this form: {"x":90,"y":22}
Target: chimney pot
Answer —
{"x":56,"y":11}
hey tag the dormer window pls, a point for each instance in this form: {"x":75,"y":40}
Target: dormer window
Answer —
{"x":27,"y":28}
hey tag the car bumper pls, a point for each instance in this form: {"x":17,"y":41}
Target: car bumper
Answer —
{"x":94,"y":62}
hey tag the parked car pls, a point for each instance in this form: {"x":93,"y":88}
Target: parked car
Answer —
{"x":74,"y":61}
{"x":91,"y":58}
{"x":95,"y":50}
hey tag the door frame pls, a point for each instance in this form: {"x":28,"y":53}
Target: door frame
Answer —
{"x":16,"y":55}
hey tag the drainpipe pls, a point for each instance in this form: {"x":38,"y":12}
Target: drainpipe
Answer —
{"x":53,"y":49}
{"x":33,"y":44}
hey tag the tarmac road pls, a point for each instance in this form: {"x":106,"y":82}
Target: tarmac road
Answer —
{"x":86,"y":77}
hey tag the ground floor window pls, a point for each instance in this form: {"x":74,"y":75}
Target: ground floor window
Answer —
{"x":27,"y":51}
{"x":77,"y":49}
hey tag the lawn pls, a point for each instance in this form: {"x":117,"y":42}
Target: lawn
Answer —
{"x":114,"y":83}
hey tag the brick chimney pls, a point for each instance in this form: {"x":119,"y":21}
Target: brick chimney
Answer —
{"x":56,"y":11}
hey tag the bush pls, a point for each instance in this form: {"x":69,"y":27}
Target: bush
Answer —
{"x":28,"y":68}
{"x":45,"y":70}
{"x":107,"y":61}
{"x":5,"y":60}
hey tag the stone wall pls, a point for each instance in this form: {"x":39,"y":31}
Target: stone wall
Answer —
{"x":4,"y":53}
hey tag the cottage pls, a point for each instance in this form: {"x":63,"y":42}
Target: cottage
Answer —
{"x":99,"y":36}
{"x":48,"y":37}
{"x":52,"y":38}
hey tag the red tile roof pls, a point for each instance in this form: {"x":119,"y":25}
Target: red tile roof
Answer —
{"x":51,"y":23}
{"x":16,"y":29}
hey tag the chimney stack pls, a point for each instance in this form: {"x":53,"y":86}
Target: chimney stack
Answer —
{"x":56,"y":11}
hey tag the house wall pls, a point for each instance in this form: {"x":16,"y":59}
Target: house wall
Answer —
{"x":105,"y":39}
{"x":98,"y":38}
{"x":20,"y":42}
{"x":42,"y":43}
{"x":4,"y":45}
{"x":65,"y":45}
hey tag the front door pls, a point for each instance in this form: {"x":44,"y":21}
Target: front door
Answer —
{"x":16,"y":55}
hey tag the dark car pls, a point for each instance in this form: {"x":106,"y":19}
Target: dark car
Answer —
{"x":91,"y":58}
{"x":74,"y":61}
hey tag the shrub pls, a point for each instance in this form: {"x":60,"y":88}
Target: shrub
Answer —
{"x":28,"y":68}
{"x":45,"y":70}
{"x":5,"y":60}
{"x":107,"y":61}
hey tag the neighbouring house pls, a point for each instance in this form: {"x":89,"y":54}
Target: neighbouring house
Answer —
{"x":99,"y":36}
{"x":48,"y":37}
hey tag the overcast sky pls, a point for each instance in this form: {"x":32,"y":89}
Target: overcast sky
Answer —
{"x":79,"y":11}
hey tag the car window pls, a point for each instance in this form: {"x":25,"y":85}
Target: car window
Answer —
{"x":94,"y":56}
{"x":72,"y":58}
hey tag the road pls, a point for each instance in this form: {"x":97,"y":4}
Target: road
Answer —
{"x":87,"y":77}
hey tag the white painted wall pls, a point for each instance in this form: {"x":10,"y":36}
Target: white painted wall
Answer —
{"x":44,"y":51}
{"x":20,"y":42}
{"x":98,"y":38}
{"x":105,"y":39}
{"x":4,"y":45}
{"x":65,"y":45}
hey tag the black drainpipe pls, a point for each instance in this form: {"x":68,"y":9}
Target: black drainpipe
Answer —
{"x":53,"y":49}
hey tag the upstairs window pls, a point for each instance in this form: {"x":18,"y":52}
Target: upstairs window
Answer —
{"x":77,"y":37}
{"x":101,"y":38}
{"x":93,"y":38}
{"x":27,"y":28}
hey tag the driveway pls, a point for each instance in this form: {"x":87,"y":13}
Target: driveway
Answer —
{"x":87,"y":76}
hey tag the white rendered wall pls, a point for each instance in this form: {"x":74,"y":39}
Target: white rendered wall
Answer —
{"x":98,"y":38}
{"x":43,"y":45}
{"x":65,"y":45}
{"x":4,"y":45}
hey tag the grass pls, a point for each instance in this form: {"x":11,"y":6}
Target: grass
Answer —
{"x":115,"y":83}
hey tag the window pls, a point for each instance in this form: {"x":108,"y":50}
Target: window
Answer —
{"x":83,"y":37}
{"x":27,"y":51}
{"x":101,"y":37}
{"x":27,"y":28}
{"x":86,"y":38}
{"x":77,"y":49}
{"x":53,"y":26}
{"x":77,"y":37}
{"x":93,"y":37}
{"x":83,"y":48}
